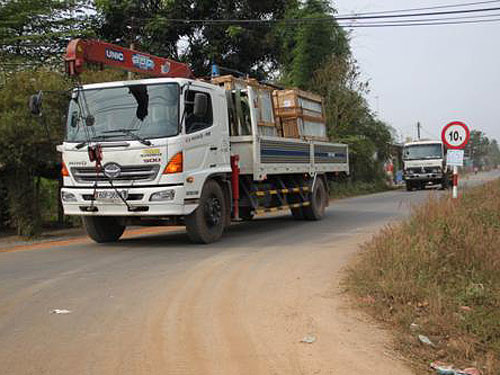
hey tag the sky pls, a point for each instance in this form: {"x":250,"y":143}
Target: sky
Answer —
{"x":430,"y":74}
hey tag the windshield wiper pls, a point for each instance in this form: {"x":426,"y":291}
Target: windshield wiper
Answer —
{"x":131,"y":133}
{"x":84,"y":143}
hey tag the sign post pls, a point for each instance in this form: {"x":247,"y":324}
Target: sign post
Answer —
{"x":455,"y":136}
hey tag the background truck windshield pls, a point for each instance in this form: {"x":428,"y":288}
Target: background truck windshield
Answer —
{"x":120,"y":113}
{"x":429,"y":151}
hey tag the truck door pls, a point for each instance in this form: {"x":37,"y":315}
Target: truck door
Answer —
{"x":203,"y":141}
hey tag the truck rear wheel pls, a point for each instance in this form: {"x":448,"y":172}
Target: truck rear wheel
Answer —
{"x":319,"y":197}
{"x":206,"y":223}
{"x":103,"y":228}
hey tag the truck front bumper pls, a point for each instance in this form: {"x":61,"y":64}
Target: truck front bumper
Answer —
{"x":141,"y":202}
{"x":423,"y":177}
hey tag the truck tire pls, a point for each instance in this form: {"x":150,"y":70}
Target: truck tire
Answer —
{"x":409,"y":186}
{"x":206,"y":224}
{"x":316,"y":210}
{"x":103,"y":229}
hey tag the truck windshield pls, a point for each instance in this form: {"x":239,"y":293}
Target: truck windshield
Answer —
{"x":429,"y":151}
{"x":124,"y":113}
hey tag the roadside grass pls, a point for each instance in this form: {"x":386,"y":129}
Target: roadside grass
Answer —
{"x":351,"y":189}
{"x":438,"y":274}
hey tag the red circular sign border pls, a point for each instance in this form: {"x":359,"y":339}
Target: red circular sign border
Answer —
{"x":464,"y":143}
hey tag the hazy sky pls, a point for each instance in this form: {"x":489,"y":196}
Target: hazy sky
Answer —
{"x":431,"y":74}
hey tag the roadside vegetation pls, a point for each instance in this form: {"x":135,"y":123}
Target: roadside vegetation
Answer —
{"x":437,"y":274}
{"x":346,"y":189}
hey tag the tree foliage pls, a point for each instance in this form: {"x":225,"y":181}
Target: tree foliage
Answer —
{"x":27,"y":142}
{"x":350,"y":119}
{"x":25,"y":150}
{"x":35,"y":32}
{"x":306,"y":47}
{"x":148,"y":24}
{"x":482,"y":150}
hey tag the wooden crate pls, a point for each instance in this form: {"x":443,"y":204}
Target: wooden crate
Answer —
{"x":230,"y":82}
{"x":301,"y":113}
{"x":290,"y":128}
{"x":300,"y":127}
{"x":295,"y":102}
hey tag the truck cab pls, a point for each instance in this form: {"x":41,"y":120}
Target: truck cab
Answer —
{"x":157,"y":148}
{"x":425,"y":164}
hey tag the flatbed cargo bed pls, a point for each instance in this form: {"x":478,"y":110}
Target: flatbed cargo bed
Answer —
{"x":264,"y":155}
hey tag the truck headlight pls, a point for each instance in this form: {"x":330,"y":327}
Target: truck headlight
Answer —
{"x":68,"y":197}
{"x":164,"y":195}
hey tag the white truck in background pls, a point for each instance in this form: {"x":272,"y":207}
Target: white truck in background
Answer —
{"x":180,"y":151}
{"x":425,"y":164}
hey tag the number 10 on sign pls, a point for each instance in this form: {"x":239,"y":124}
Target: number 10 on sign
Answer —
{"x":455,"y":136}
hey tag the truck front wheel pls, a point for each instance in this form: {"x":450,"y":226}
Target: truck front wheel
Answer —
{"x":319,"y":200}
{"x":103,"y":228}
{"x":206,"y":223}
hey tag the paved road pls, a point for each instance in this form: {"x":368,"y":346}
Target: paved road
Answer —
{"x":156,"y":304}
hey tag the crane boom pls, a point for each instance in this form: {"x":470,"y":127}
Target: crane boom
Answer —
{"x":81,"y":51}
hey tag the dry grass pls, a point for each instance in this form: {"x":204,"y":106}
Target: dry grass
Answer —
{"x":440,"y":269}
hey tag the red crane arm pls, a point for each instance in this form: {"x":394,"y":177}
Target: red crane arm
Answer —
{"x":81,"y":51}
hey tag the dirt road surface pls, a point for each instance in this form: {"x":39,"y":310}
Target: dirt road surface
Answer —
{"x":155,"y":304}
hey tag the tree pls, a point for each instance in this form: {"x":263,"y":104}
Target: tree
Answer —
{"x":478,"y":147}
{"x":494,"y":153}
{"x":36,"y":32}
{"x":27,"y":142}
{"x":350,"y":119}
{"x":25,"y":150}
{"x":309,"y":44}
{"x":154,"y":27}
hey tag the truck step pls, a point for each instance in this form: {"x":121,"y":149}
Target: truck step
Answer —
{"x":260,"y":211}
{"x":261,"y":193}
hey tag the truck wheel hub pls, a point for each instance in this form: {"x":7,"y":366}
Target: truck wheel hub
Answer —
{"x":213,"y":211}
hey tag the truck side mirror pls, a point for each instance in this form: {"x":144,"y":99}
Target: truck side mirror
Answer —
{"x":200,"y":104}
{"x":35,"y":104}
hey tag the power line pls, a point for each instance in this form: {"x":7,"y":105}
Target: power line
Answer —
{"x":352,"y":25}
{"x":417,"y":23}
{"x":426,"y":8}
{"x":314,"y":19}
{"x":460,"y":20}
{"x":469,"y":18}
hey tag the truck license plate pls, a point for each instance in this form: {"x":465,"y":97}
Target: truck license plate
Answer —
{"x":110,"y":195}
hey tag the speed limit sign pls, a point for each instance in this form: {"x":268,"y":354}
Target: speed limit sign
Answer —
{"x":455,"y":135}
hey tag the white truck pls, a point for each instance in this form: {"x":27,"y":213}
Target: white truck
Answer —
{"x":181,"y":151}
{"x":425,"y":164}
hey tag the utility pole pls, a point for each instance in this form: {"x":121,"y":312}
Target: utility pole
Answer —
{"x":418,"y":130}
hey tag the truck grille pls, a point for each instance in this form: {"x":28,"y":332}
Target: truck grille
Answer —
{"x":128,"y":173}
{"x":422,"y":170}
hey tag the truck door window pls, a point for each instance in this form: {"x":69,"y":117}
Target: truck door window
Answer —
{"x":196,"y":123}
